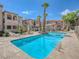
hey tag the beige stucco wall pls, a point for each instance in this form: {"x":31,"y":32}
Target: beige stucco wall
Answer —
{"x":11,"y":22}
{"x":1,"y":9}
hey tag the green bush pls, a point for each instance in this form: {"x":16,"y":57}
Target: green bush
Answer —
{"x":1,"y":33}
{"x":6,"y":34}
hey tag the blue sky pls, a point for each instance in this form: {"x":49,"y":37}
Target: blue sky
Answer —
{"x":32,"y":8}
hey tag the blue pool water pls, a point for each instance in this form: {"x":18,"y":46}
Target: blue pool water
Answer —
{"x":39,"y":46}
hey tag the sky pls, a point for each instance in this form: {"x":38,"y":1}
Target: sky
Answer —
{"x":30,"y":9}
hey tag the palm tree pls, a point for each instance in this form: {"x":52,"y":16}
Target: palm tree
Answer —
{"x":34,"y":24}
{"x":45,"y":5}
{"x":3,"y":24}
{"x":28,"y":27}
{"x":39,"y":21}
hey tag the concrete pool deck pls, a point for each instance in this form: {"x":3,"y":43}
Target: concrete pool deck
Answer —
{"x":9,"y":51}
{"x":68,"y":48}
{"x":69,"y":45}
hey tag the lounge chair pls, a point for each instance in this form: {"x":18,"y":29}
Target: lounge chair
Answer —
{"x":13,"y":34}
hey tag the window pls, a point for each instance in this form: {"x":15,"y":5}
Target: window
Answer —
{"x":9,"y":17}
{"x":14,"y":27}
{"x":14,"y":18}
{"x":8,"y":27}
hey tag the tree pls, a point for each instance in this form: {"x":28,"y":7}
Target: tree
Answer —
{"x":69,"y":19}
{"x":45,"y":5}
{"x":34,"y":25}
{"x":77,"y":18}
{"x":20,"y":29}
{"x":28,"y":27}
{"x":39,"y":21}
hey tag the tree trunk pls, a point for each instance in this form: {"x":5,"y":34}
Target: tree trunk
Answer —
{"x":40,"y":26}
{"x":28,"y":29}
{"x":68,"y":26}
{"x":3,"y":29}
{"x":44,"y":21}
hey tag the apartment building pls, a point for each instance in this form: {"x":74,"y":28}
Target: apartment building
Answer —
{"x":53,"y":25}
{"x":9,"y":21}
{"x":28,"y":23}
{"x":1,"y":18}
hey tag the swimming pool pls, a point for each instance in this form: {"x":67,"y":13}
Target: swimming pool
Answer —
{"x":39,"y":46}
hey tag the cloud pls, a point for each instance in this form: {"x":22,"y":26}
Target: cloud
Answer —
{"x":27,"y":12}
{"x":66,"y":11}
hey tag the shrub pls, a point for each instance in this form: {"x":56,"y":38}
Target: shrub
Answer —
{"x":1,"y":33}
{"x":6,"y":34}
